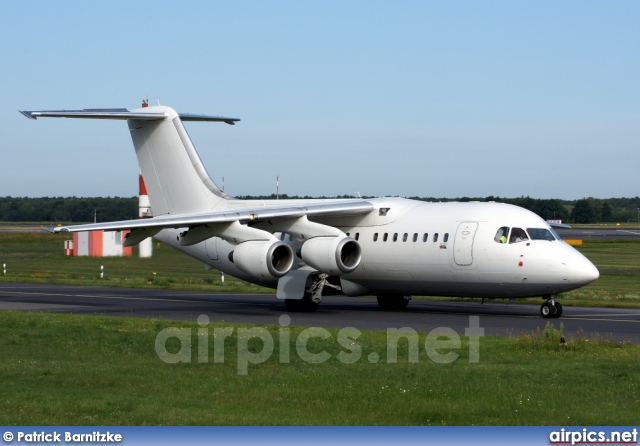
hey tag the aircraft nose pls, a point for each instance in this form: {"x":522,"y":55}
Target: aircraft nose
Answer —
{"x":580,"y":270}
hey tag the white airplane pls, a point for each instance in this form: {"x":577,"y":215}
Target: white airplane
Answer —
{"x":387,"y":247}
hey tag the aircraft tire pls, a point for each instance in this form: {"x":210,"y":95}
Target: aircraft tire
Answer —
{"x":392,"y":302}
{"x":558,"y":310}
{"x":547,"y":310}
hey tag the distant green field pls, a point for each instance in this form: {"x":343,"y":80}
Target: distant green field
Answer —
{"x":619,"y":282}
{"x":38,"y":257}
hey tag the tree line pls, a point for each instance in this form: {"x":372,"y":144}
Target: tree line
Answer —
{"x":82,"y":210}
{"x":72,"y":209}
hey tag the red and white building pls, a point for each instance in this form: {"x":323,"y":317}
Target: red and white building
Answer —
{"x":97,"y":244}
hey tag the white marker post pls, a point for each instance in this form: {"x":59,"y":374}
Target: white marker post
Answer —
{"x":4,"y":269}
{"x":102,"y":271}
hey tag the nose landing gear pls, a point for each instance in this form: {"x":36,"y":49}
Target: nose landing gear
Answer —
{"x":551,"y":309}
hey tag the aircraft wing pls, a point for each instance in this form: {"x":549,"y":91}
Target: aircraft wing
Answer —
{"x":244,"y":214}
{"x":123,"y":114}
{"x":559,"y":225}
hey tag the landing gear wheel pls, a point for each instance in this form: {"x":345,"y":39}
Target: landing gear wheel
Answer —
{"x":558,"y":310}
{"x":393,"y":302}
{"x":548,"y":311}
{"x":304,"y":305}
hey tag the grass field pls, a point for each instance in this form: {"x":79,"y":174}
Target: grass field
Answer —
{"x":91,"y":370}
{"x":619,"y":282}
{"x":38,"y":257}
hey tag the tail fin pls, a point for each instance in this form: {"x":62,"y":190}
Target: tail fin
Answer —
{"x":176,"y":179}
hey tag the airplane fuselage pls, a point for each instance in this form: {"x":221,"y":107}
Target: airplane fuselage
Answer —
{"x":443,"y":249}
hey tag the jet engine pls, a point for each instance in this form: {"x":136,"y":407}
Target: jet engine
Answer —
{"x":263,"y":259}
{"x":332,"y":255}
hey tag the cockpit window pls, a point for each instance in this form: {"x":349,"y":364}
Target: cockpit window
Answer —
{"x":540,"y":234}
{"x":502,"y":235}
{"x":518,"y":235}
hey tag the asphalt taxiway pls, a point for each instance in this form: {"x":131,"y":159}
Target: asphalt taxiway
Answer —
{"x":625,"y":233}
{"x":496,"y":318}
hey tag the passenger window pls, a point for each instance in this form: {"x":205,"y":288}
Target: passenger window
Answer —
{"x":395,"y":237}
{"x":384,"y":238}
{"x":405,"y":237}
{"x":375,"y":237}
{"x":348,"y":234}
{"x":446,"y":238}
{"x":415,"y":237}
{"x":502,"y":235}
{"x":518,"y":235}
{"x":425,"y":237}
{"x":282,"y":236}
{"x":357,"y":236}
{"x":435,"y":237}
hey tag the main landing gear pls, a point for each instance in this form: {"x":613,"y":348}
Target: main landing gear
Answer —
{"x":312,"y":295}
{"x":551,"y":309}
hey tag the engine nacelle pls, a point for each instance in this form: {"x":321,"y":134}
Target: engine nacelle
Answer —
{"x":263,"y":259}
{"x":332,"y":255}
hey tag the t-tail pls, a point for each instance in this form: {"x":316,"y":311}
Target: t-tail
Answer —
{"x":177,"y":181}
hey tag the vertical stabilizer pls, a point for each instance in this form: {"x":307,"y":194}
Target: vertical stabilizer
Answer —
{"x":176,"y":180}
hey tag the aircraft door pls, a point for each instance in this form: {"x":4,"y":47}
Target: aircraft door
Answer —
{"x":463,"y":243}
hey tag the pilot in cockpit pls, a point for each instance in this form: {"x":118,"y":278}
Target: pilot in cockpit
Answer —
{"x":518,"y":235}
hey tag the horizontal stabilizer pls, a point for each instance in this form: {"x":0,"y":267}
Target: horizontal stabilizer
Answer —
{"x":107,"y":113}
{"x":122,"y":114}
{"x":191,"y":117}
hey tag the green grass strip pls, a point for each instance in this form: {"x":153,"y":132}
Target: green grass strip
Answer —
{"x":61,"y":369}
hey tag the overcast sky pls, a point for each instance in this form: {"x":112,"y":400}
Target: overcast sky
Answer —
{"x":441,"y":99}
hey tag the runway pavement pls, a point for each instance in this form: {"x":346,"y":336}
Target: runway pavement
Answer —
{"x":334,"y":312}
{"x":599,"y":233}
